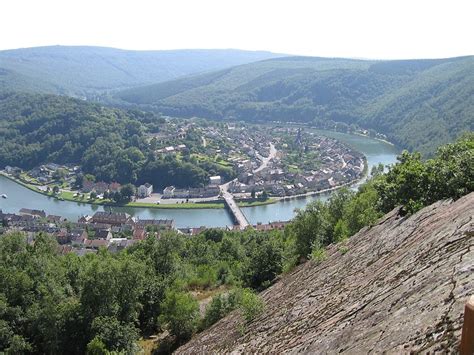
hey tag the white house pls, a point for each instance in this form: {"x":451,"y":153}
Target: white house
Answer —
{"x":168,"y":192}
{"x":215,"y":180}
{"x":145,"y":190}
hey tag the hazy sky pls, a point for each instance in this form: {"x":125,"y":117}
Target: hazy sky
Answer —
{"x":351,"y":28}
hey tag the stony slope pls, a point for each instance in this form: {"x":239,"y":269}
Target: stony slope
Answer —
{"x":400,"y":287}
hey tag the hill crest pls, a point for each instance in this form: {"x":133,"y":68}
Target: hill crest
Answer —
{"x":85,"y":70}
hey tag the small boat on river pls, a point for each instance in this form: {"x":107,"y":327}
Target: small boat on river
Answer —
{"x":4,"y":196}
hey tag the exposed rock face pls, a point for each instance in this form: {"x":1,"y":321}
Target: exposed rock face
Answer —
{"x":400,"y":287}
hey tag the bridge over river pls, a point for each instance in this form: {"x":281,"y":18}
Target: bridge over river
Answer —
{"x":19,"y":196}
{"x":234,"y":209}
{"x":231,"y":205}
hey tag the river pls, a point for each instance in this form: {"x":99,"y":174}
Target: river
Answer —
{"x":18,"y":196}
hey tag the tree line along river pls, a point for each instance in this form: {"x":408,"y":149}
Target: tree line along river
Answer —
{"x":18,"y":196}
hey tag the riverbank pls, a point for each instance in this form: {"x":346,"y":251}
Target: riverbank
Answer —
{"x":332,"y":189}
{"x":20,"y":196}
{"x":69,"y":196}
{"x":216,"y":204}
{"x":377,"y":139}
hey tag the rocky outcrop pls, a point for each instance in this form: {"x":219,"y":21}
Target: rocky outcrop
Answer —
{"x":398,"y":287}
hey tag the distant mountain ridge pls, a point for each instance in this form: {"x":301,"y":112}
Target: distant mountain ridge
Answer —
{"x":418,"y":104}
{"x":85,"y":70}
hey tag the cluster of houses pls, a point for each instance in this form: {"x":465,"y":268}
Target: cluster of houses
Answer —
{"x":47,"y":173}
{"x":212,"y":190}
{"x":12,"y":170}
{"x":339,"y":165}
{"x":259,"y":227}
{"x":171,"y":149}
{"x":170,"y":133}
{"x":250,"y":143}
{"x":102,"y":187}
{"x":111,"y":230}
{"x":198,"y":192}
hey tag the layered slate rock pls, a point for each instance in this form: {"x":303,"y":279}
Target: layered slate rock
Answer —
{"x":399,"y":286}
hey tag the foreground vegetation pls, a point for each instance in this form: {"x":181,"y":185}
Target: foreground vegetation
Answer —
{"x":51,"y":303}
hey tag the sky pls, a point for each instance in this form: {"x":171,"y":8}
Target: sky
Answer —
{"x":379,"y":29}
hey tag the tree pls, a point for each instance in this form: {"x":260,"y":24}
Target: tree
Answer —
{"x":112,"y":334}
{"x":127,"y":192}
{"x":362,"y":210}
{"x":310,"y":226}
{"x":116,"y":196}
{"x":377,"y":170}
{"x":79,"y":180}
{"x":220,"y":306}
{"x":55,"y":189}
{"x":214,"y":234}
{"x":89,"y":177}
{"x":150,"y":299}
{"x":405,"y":184}
{"x":96,"y":347}
{"x":265,"y":264}
{"x":18,"y":345}
{"x":59,"y":174}
{"x":180,"y":314}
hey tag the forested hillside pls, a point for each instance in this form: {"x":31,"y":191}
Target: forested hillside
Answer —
{"x":89,"y":71}
{"x":418,"y":104}
{"x":108,"y":143}
{"x":11,"y":80}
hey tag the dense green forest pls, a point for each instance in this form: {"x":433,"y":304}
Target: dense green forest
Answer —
{"x":418,"y":104}
{"x":108,"y":143}
{"x":11,"y":80}
{"x":90,"y":71}
{"x":51,"y":303}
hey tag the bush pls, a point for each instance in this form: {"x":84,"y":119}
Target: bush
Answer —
{"x":318,"y":254}
{"x":250,"y":305}
{"x":180,"y":314}
{"x":220,"y":306}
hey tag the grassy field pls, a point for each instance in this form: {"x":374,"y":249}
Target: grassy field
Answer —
{"x":257,"y":203}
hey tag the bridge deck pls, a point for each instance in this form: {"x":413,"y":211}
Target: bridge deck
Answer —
{"x":236,"y":211}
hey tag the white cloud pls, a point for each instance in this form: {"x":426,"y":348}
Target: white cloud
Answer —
{"x":347,"y":28}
